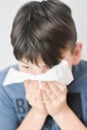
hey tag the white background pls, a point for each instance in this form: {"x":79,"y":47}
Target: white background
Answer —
{"x":8,"y":9}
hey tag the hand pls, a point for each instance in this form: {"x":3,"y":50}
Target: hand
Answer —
{"x":54,"y":96}
{"x":34,"y":97}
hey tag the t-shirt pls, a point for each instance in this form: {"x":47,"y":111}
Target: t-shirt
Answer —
{"x":14,"y":106}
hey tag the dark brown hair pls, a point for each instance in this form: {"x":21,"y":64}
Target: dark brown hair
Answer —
{"x":43,"y":28}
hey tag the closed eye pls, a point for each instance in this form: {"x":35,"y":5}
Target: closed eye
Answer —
{"x":27,"y":67}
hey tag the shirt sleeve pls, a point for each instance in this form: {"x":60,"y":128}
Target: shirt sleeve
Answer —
{"x":8,"y":116}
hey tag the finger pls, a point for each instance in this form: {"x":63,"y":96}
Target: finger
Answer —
{"x":30,"y":85}
{"x":55,"y":90}
{"x":30,"y":95}
{"x":46,"y":89}
{"x":39,"y":96}
{"x":29,"y":88}
{"x":26,"y":84}
{"x":61,"y":94}
{"x":35,"y":85}
{"x":61,"y":86}
{"x":35,"y":93}
{"x":45,"y":97}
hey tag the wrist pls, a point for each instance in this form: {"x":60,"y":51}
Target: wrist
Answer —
{"x":39,"y":114}
{"x":62,"y":113}
{"x":68,"y":118}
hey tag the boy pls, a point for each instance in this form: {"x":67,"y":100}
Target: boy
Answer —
{"x":43,"y":34}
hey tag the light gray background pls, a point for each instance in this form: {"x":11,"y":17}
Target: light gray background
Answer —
{"x":8,"y":9}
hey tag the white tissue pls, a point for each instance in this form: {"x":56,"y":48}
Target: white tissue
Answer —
{"x":61,"y":73}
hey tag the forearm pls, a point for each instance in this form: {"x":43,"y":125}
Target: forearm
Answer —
{"x":33,"y":121}
{"x":69,"y":121}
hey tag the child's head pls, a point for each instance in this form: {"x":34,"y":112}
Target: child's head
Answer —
{"x":45,"y":32}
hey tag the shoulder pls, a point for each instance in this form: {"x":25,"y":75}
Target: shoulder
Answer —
{"x":4,"y":72}
{"x":80,"y":77}
{"x":11,"y":91}
{"x":3,"y":90}
{"x":7,"y":110}
{"x":80,"y":70}
{"x":82,"y":65}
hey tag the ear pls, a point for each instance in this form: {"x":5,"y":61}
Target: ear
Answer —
{"x":77,"y":53}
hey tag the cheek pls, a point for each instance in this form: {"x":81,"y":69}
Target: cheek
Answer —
{"x":22,"y":69}
{"x":25,"y":70}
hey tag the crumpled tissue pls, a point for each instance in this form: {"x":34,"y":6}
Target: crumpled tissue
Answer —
{"x":61,"y":73}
